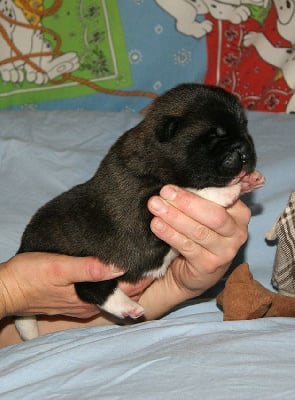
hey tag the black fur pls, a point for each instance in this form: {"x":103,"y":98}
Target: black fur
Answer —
{"x":193,"y":136}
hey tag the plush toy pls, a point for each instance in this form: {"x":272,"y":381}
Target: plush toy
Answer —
{"x":245,"y":298}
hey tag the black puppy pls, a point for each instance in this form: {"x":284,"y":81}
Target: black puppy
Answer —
{"x":193,"y":136}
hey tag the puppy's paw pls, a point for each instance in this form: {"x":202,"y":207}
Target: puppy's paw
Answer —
{"x":27,"y":327}
{"x":120,"y":305}
{"x":252,"y":181}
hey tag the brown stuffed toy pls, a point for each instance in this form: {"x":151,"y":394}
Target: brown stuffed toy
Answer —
{"x":245,"y":298}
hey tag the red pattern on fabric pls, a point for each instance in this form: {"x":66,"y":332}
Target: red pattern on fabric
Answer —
{"x":231,"y":65}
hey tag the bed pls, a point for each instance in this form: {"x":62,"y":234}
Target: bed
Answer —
{"x":73,"y":77}
{"x":191,"y":352}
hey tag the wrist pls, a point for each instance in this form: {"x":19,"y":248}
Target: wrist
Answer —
{"x":2,"y":309}
{"x":10,"y":294}
{"x":3,"y":294}
{"x":181,"y":290}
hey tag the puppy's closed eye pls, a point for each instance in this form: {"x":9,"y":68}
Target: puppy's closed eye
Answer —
{"x":167,"y":128}
{"x":220,"y":132}
{"x":216,"y":133}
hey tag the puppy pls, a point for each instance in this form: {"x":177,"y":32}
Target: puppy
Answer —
{"x":193,"y":136}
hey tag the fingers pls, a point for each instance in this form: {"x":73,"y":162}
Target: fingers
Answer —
{"x":185,"y":246}
{"x":193,"y":225}
{"x":179,"y":207}
{"x":203,"y":211}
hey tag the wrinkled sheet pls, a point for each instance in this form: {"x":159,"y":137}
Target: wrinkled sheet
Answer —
{"x":190,"y":353}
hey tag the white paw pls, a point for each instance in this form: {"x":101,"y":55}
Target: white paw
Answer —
{"x":27,"y":327}
{"x":252,"y":181}
{"x":120,"y":305}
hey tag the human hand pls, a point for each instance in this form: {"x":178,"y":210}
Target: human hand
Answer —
{"x":41,"y":283}
{"x":206,"y":235}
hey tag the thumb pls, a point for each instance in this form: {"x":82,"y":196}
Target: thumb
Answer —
{"x":85,"y":269}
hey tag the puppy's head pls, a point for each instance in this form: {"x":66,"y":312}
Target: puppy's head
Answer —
{"x":202,"y":135}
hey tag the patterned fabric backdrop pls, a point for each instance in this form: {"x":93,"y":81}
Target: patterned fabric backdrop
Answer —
{"x":114,"y":55}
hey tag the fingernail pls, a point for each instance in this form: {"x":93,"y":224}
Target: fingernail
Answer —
{"x":158,"y":225}
{"x":158,"y":205}
{"x":168,"y":193}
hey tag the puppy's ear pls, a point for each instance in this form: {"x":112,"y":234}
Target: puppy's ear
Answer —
{"x":167,"y":128}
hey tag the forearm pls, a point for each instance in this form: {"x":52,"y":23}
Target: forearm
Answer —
{"x":179,"y":284}
{"x":163,"y":295}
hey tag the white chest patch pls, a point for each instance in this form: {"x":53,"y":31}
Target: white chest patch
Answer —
{"x":157,"y":273}
{"x":224,"y":196}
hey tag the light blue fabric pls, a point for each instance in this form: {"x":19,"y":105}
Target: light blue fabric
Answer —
{"x":186,"y":357}
{"x":189,"y":354}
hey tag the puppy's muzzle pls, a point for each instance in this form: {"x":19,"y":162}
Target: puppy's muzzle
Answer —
{"x":240,"y":157}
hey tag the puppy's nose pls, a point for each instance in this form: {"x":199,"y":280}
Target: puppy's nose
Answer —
{"x":245,"y":153}
{"x":247,"y":158}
